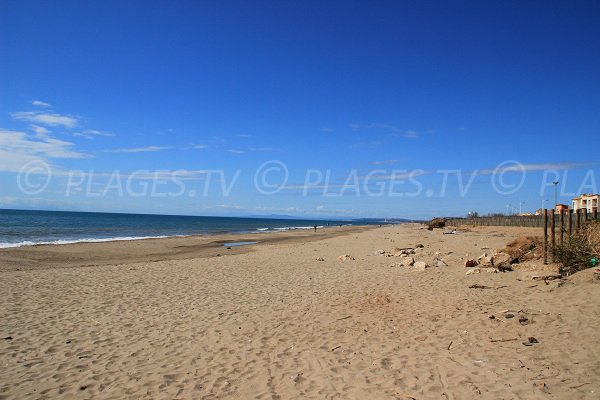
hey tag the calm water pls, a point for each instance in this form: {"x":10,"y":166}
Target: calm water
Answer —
{"x":22,"y":228}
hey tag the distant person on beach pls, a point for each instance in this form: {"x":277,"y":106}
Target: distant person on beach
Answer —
{"x":315,"y":227}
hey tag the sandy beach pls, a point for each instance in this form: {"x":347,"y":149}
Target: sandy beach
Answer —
{"x":186,"y":318}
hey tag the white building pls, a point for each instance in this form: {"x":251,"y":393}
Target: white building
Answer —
{"x":585,"y":201}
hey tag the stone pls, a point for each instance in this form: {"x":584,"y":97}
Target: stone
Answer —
{"x":420,"y":266}
{"x":470,"y":264}
{"x":407,"y":262}
{"x":346,"y":257}
{"x":485,"y":261}
{"x":396,"y":264}
{"x":419,"y":246}
{"x":439,"y":263}
{"x":379,"y":252}
{"x":320,"y":259}
{"x":473,"y":271}
{"x":501,"y":258}
{"x":490,"y":270}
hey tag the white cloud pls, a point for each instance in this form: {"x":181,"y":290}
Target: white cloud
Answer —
{"x":91,"y":133}
{"x":327,"y":130}
{"x":200,"y":146}
{"x":411,"y":135}
{"x":40,"y":130}
{"x":244,"y":135}
{"x":48,"y":119}
{"x":18,"y":148}
{"x":233,"y":151}
{"x":385,"y":162}
{"x":39,"y":103}
{"x":518,"y":167}
{"x":146,"y":149}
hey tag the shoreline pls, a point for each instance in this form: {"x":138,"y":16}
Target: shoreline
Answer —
{"x":125,"y":251}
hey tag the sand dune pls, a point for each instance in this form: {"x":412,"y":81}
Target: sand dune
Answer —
{"x":274,"y":323}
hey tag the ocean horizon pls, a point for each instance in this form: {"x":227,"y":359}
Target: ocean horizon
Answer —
{"x":35,"y":227}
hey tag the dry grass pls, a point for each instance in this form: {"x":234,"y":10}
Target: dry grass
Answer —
{"x":576,"y":254}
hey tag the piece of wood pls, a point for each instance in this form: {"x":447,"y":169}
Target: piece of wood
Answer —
{"x":503,"y":340}
{"x":545,"y":216}
{"x":562,"y":226}
{"x":552,"y":232}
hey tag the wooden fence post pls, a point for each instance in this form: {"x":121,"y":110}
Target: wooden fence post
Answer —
{"x":570,"y":226}
{"x":552,"y":231}
{"x":595,"y":213}
{"x":545,"y":216}
{"x":562,"y":226}
{"x":577,"y":221}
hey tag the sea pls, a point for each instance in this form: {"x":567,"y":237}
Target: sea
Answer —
{"x":26,"y":228}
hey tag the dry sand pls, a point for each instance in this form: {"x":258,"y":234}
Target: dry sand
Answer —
{"x":271,"y":322}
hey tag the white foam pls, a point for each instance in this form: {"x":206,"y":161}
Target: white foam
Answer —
{"x":93,"y":240}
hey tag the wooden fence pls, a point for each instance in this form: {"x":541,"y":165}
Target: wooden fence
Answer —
{"x":565,"y":222}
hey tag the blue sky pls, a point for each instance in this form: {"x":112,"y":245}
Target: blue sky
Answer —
{"x":372,"y":107}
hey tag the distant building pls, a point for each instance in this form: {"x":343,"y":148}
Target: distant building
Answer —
{"x":586,"y":201}
{"x":561,"y":208}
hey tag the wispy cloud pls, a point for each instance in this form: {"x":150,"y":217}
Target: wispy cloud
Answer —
{"x":18,"y":148}
{"x":146,"y":149}
{"x":244,"y":135}
{"x":39,"y":103}
{"x":235,"y":151}
{"x":48,"y":119}
{"x":200,"y":146}
{"x":385,"y":162}
{"x":92,"y":133}
{"x":518,"y":167}
{"x":40,"y":130}
{"x":391,"y":129}
{"x":327,"y":130}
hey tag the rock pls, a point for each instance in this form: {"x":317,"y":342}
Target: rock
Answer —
{"x":470,"y":264}
{"x":485,"y":261}
{"x":490,"y":270}
{"x":407,"y":262}
{"x":502,"y":258}
{"x":419,"y":246}
{"x":320,"y":259}
{"x":473,"y":271}
{"x":379,"y":252}
{"x":346,"y":257}
{"x":420,"y":266}
{"x":436,"y":223}
{"x":439,"y":263}
{"x":396,"y":264}
{"x":504,"y":267}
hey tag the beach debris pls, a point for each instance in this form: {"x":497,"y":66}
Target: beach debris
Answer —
{"x":343,"y":318}
{"x":380,"y":252}
{"x":523,"y":320}
{"x":436,"y":223}
{"x":478,"y":286}
{"x":439,"y":263}
{"x":504,"y":267}
{"x":530,"y":341}
{"x":419,"y":246}
{"x":346,"y":257}
{"x":320,"y":259}
{"x":420,"y":266}
{"x":396,"y":264}
{"x":336,"y":347}
{"x":8,"y":338}
{"x":407,"y":262}
{"x":450,"y":345}
{"x":82,"y":387}
{"x":523,"y":248}
{"x":503,"y":340}
{"x":546,"y":278}
{"x":473,"y":271}
{"x":470,"y":263}
{"x":509,"y":315}
{"x":492,"y":317}
{"x":485,"y":261}
{"x":542,"y":386}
